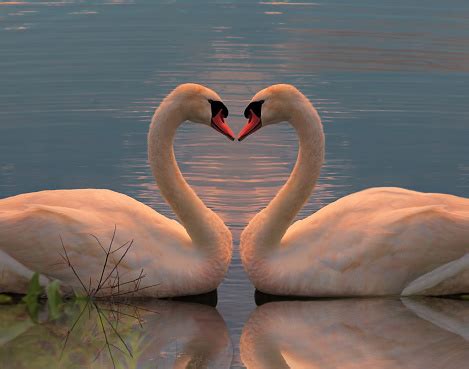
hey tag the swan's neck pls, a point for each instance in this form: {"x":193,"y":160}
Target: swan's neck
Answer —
{"x":271,"y":224}
{"x":204,"y":227}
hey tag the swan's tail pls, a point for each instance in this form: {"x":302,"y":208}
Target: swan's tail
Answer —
{"x":14,"y":276}
{"x":450,"y":278}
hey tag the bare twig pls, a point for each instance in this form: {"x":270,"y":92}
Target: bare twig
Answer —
{"x":99,"y":242}
{"x":113,"y":279}
{"x":115,"y":266}
{"x":109,"y":281}
{"x":99,"y":353}
{"x":120,"y":247}
{"x":118,"y":348}
{"x":115,"y":331}
{"x":106,"y":339}
{"x":138,"y":307}
{"x":124,"y":283}
{"x":67,"y":260}
{"x":107,"y":256}
{"x":121,"y":313}
{"x":139,"y":318}
{"x":72,"y":328}
{"x":129,"y":292}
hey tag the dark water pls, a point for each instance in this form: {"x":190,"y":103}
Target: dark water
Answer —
{"x":79,"y":82}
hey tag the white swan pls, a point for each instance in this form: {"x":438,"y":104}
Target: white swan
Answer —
{"x":185,"y":258}
{"x":380,"y":241}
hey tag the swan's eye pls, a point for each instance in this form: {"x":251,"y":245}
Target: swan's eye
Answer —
{"x":217,"y":106}
{"x":256,"y":107}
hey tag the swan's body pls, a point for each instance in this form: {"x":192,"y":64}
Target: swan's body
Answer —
{"x":184,"y":258}
{"x":429,"y":333}
{"x":380,"y":241}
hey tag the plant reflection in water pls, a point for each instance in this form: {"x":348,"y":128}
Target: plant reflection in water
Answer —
{"x":124,"y":334}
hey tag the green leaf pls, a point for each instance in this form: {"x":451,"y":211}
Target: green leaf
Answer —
{"x":5,"y":299}
{"x":34,"y":289}
{"x":32,"y":297}
{"x":53,"y":299}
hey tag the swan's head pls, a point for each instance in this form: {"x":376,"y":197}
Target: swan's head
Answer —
{"x":271,"y":105}
{"x":200,"y":104}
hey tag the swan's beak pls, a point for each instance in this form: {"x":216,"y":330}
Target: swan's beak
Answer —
{"x":251,"y":126}
{"x":219,"y":124}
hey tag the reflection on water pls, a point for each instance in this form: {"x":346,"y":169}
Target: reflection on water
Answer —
{"x":358,"y":333}
{"x":143,"y":335}
{"x":80,"y":80}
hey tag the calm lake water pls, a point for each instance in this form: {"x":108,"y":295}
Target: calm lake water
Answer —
{"x":79,"y":81}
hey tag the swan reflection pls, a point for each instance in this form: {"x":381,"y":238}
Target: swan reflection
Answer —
{"x":162,"y":334}
{"x":358,"y":333}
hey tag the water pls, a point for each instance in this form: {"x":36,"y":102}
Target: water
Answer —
{"x":380,"y":333}
{"x":80,"y":81}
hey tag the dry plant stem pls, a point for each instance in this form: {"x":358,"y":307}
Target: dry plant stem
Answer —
{"x":114,"y":329}
{"x":106,"y":339}
{"x":138,"y":307}
{"x":107,"y":256}
{"x":113,"y":282}
{"x":102,"y":320}
{"x":67,"y":260}
{"x":124,"y":283}
{"x":128,"y":292}
{"x":100,"y":285}
{"x":121,"y":313}
{"x":99,"y":353}
{"x":72,"y":328}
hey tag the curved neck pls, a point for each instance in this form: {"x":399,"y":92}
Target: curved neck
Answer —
{"x":272,"y":222}
{"x":201,"y":223}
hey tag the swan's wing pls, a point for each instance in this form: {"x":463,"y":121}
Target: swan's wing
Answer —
{"x":32,"y":227}
{"x":357,"y":230}
{"x":33,"y":239}
{"x":375,"y":241}
{"x":417,"y":234}
{"x":31,"y":235}
{"x":444,"y":278}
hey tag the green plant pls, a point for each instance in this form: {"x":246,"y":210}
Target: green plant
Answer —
{"x":54,"y":300}
{"x":31,"y":299}
{"x":5,"y":299}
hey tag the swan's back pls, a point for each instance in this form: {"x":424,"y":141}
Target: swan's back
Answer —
{"x":385,"y":209}
{"x":83,"y":210}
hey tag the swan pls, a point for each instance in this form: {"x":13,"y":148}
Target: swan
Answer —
{"x":379,"y":241}
{"x":186,"y":258}
{"x":357,"y":333}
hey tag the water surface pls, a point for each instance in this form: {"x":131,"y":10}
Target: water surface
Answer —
{"x":79,"y":82}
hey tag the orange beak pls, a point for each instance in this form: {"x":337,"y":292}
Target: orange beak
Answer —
{"x":218,"y":123}
{"x":253,"y":124}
